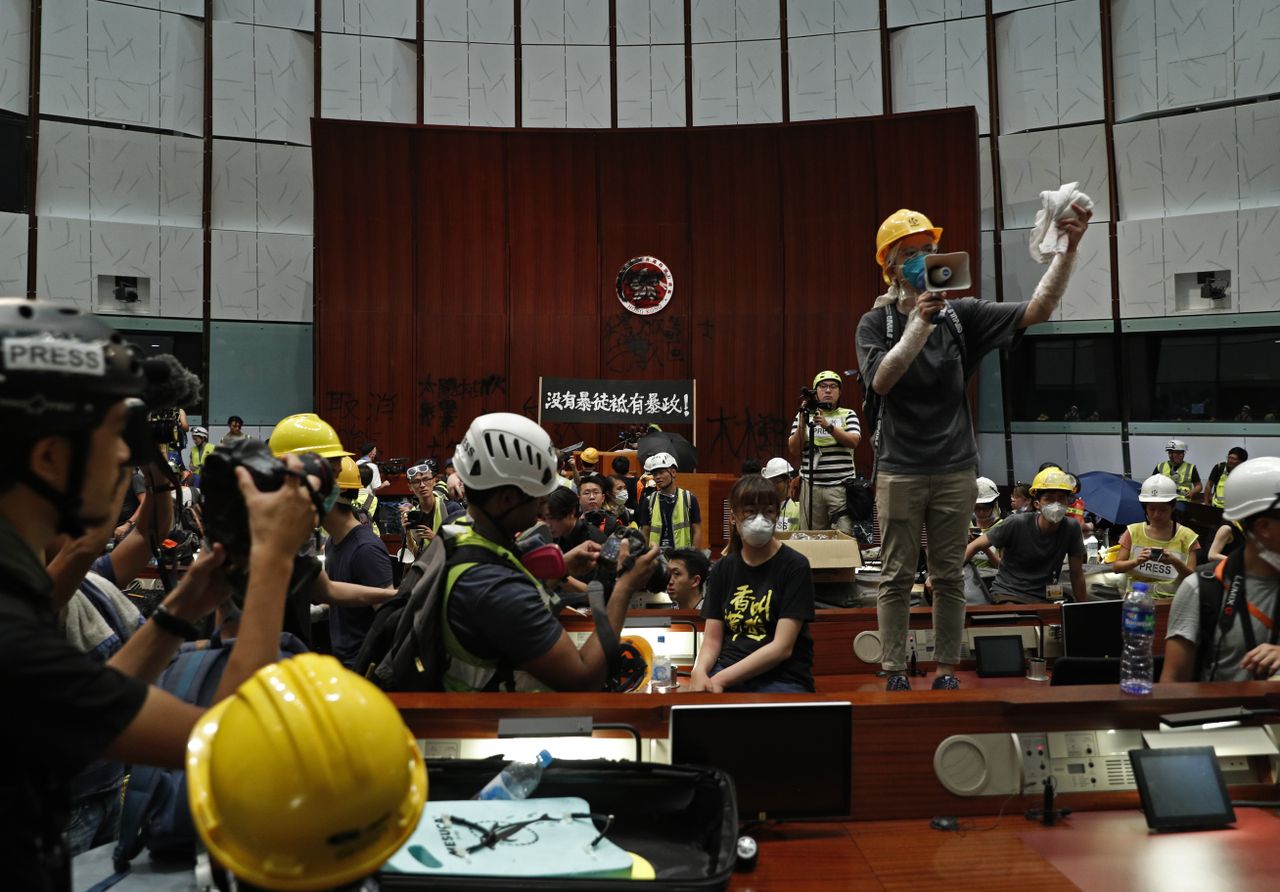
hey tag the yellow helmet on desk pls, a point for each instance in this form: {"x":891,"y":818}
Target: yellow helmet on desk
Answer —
{"x":306,"y":778}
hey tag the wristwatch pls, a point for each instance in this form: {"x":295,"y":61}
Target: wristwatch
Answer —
{"x":174,"y":625}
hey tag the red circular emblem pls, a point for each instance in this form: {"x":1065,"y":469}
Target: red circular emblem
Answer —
{"x":645,"y":285}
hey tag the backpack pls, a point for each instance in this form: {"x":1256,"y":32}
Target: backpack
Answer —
{"x":155,"y":813}
{"x":404,"y":648}
{"x":872,"y":402}
{"x":360,"y":508}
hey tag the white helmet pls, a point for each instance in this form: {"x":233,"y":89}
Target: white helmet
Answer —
{"x":987,"y":491}
{"x":659,"y":461}
{"x":1159,"y":488}
{"x":776,"y":467}
{"x":505,"y":449}
{"x":198,"y":431}
{"x":1175,"y":446}
{"x":1252,"y":488}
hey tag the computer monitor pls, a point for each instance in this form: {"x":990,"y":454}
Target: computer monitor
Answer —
{"x":1092,"y":629}
{"x":788,"y":761}
{"x":1182,"y":788}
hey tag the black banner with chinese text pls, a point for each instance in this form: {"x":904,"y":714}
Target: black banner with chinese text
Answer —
{"x":626,"y":402}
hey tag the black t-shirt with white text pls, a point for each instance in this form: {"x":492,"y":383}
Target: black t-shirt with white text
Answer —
{"x":751,"y":600}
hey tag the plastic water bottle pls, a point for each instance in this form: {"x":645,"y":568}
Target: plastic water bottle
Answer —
{"x":660,"y":678}
{"x":1091,"y":549}
{"x":517,"y":780}
{"x":1139,"y":628}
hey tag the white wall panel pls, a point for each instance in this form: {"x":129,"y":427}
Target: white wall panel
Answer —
{"x":124,"y":63}
{"x":941,"y":66}
{"x":759,"y":81}
{"x":491,"y":84}
{"x":1257,"y":64}
{"x":650,"y":22}
{"x":1257,"y":136}
{"x":1194,"y":48}
{"x":389,"y":18}
{"x":488,"y":21}
{"x":1258,"y":279}
{"x":1198,"y":159}
{"x":991,"y":457}
{"x":1139,"y":175}
{"x":806,"y":18}
{"x":987,"y":284}
{"x":298,"y":14}
{"x":914,"y":12}
{"x":181,"y":75}
{"x":447,"y":20}
{"x":811,"y":64}
{"x":181,"y":270}
{"x":967,"y":81}
{"x":857,"y":15}
{"x":13,"y":254}
{"x":388,"y":80}
{"x":543,"y":98}
{"x":233,"y":11}
{"x":285,"y":191}
{"x":64,"y":58}
{"x":445,"y":99}
{"x":284,"y":62}
{"x":757,"y":20}
{"x":1020,"y":273}
{"x":651,"y":86}
{"x":587,"y":93}
{"x":1140,"y":251}
{"x":1201,"y":242}
{"x":1030,"y":451}
{"x":714,"y":84}
{"x":124,"y":176}
{"x":285,"y":284}
{"x":858,"y":87}
{"x":1095,"y":452}
{"x":125,"y":249}
{"x":234,"y":193}
{"x":15,"y":56}
{"x":1026,"y":49}
{"x":1133,"y":29}
{"x":339,"y":17}
{"x":987,"y":220}
{"x":233,"y":76}
{"x":542,"y":22}
{"x":1088,"y":294}
{"x":1083,"y":158}
{"x":62,"y":174}
{"x":63,"y":266}
{"x":340,"y":77}
{"x":586,"y":22}
{"x":233,"y":279}
{"x":1029,"y":164}
{"x":1079,"y":57}
{"x":713,"y":20}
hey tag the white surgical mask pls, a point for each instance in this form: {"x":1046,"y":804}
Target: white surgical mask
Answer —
{"x":620,"y":497}
{"x":1271,"y":557}
{"x":756,"y":530}
{"x":1053,"y":511}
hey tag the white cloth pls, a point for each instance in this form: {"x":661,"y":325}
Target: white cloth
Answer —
{"x":1046,"y":238}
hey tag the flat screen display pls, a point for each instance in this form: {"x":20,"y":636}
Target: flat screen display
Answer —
{"x":1182,"y":788}
{"x":788,"y":761}
{"x":1092,"y":629}
{"x":999,"y":655}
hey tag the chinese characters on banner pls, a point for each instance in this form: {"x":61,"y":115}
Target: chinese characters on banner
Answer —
{"x":589,"y":400}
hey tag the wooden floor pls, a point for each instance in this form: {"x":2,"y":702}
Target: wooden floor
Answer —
{"x":1101,"y":851}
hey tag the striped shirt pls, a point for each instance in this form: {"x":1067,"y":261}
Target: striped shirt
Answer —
{"x":834,"y":462}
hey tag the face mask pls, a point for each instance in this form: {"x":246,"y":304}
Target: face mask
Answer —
{"x":756,"y":530}
{"x":620,"y":498}
{"x":913,"y":270}
{"x":1053,"y":512}
{"x":1271,"y":557}
{"x":540,"y":556}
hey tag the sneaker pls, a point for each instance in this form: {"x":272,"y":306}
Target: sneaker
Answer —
{"x":897,"y":683}
{"x":946,"y":683}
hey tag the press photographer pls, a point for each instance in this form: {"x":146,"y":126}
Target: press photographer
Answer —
{"x":823,"y":436}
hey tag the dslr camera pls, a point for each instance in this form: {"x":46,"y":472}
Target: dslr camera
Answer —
{"x":612,"y":547}
{"x":810,"y":404}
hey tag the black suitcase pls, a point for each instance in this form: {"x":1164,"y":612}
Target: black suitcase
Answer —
{"x":683,"y":819}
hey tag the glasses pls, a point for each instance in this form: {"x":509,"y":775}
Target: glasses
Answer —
{"x":421,"y":471}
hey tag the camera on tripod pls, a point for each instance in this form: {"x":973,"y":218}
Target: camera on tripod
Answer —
{"x":810,"y":403}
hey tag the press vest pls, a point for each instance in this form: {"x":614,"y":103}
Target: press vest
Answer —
{"x":681,"y":531}
{"x":1180,"y":544}
{"x":466,"y":671}
{"x":1181,"y":477}
{"x":788,"y":516}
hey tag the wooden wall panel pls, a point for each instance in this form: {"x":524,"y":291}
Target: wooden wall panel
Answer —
{"x":454,"y":266}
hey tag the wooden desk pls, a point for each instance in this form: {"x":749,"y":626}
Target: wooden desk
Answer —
{"x":895,"y":734}
{"x":1102,"y":851}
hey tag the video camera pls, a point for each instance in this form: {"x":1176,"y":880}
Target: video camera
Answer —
{"x":810,"y":404}
{"x":612,"y":547}
{"x":152,"y":421}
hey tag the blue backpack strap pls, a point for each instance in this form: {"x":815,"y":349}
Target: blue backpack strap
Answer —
{"x":143,"y":781}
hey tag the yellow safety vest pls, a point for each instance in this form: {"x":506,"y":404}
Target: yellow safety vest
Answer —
{"x":681,"y":529}
{"x":1181,"y":477}
{"x":788,"y":516}
{"x":1220,"y":491}
{"x":437,"y":518}
{"x":369,"y":505}
{"x":198,"y":456}
{"x":1183,"y":538}
{"x":466,"y":671}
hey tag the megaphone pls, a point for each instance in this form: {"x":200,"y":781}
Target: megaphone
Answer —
{"x":947,"y":272}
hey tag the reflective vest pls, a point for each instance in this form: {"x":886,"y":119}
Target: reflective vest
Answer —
{"x":681,"y":531}
{"x":1182,"y":477}
{"x":788,"y":516}
{"x":437,"y":518}
{"x":368,"y":503}
{"x":1183,"y":538}
{"x":1220,"y":491}
{"x":466,"y":671}
{"x":198,"y":455}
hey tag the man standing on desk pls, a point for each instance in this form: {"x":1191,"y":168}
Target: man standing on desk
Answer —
{"x":916,"y":351}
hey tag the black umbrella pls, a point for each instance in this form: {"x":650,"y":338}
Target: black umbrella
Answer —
{"x":682,"y":450}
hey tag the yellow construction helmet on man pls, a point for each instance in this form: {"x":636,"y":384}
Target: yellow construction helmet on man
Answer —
{"x":897,"y":226}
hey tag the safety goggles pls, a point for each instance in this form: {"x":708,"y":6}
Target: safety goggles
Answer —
{"x":423,"y":470}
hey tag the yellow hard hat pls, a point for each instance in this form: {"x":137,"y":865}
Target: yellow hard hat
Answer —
{"x":349,"y":475}
{"x":1053,"y":478}
{"x":899,"y":225}
{"x":590,"y":455}
{"x":827,"y":376}
{"x":306,"y":432}
{"x":636,"y":666}
{"x":306,"y":778}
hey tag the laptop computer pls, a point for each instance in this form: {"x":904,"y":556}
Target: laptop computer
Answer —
{"x":1092,"y":629}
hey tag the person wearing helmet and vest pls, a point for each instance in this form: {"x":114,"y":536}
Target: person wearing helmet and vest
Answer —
{"x":66,"y":379}
{"x":1032,"y":546}
{"x":1158,"y":551}
{"x":305,"y":779}
{"x":1215,"y":492}
{"x":916,"y":352}
{"x":778,"y":471}
{"x":836,"y":432}
{"x":499,"y":629}
{"x":200,"y":449}
{"x":986,"y":514}
{"x":1224,"y":623}
{"x":670,"y":517}
{"x":1184,"y":474}
{"x":431,"y":494}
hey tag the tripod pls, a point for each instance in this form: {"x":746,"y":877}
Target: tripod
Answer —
{"x":810,"y":423}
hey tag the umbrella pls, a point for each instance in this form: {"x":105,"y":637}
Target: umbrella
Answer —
{"x":660,"y":441}
{"x":1111,"y":496}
